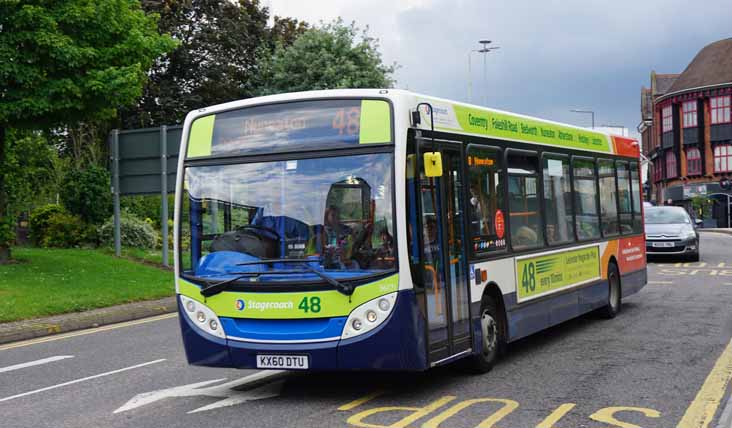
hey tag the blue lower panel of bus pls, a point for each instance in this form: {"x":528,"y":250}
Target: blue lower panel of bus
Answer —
{"x":397,"y":344}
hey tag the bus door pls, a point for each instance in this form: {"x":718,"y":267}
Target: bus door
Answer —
{"x":445,"y":281}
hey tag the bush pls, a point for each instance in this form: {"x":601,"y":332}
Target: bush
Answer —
{"x":133,"y":232}
{"x":86,"y":193}
{"x":39,"y":220}
{"x":65,"y":230}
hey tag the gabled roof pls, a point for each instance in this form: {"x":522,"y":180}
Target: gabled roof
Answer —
{"x":711,"y":66}
{"x":661,"y":83}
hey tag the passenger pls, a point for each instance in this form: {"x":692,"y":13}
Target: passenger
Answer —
{"x":431,"y":244}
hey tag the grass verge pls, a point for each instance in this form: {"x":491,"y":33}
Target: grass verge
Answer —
{"x":54,"y":281}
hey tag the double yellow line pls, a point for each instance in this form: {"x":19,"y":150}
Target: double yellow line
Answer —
{"x":702,"y":410}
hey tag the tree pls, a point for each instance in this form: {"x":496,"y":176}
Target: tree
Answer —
{"x":214,"y":62}
{"x":329,"y":57}
{"x":66,"y":61}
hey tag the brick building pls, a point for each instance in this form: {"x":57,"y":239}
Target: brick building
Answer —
{"x":686,"y":132}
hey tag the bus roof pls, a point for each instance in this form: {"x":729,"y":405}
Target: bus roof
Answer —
{"x":463,"y":118}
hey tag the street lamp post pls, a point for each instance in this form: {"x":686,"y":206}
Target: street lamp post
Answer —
{"x":586,"y":111}
{"x":484,"y":51}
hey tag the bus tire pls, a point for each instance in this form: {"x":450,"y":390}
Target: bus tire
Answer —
{"x":492,"y":337}
{"x":613,"y":305}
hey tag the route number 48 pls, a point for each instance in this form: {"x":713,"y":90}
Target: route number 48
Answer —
{"x":528,"y":277}
{"x":310,"y":304}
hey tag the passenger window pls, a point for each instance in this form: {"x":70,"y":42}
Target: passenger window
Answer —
{"x":608,"y":197}
{"x":636,"y":197}
{"x":526,"y":230}
{"x":626,"y":208}
{"x":486,"y":206}
{"x":558,"y":200}
{"x":585,"y":199}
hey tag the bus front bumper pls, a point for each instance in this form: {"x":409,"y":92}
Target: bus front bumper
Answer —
{"x":397,"y":344}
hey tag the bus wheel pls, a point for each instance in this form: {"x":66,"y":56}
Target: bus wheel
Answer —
{"x":492,"y":337}
{"x":612,"y":307}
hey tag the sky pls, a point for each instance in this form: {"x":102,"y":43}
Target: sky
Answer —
{"x":554,"y":55}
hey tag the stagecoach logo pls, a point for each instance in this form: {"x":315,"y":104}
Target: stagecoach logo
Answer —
{"x":240,"y":304}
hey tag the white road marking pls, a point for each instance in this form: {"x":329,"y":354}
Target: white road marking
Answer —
{"x":228,"y":392}
{"x":48,"y":388}
{"x":660,"y":282}
{"x":35,"y":363}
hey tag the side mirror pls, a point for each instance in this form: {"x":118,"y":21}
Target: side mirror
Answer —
{"x":433,"y":164}
{"x":698,"y":222}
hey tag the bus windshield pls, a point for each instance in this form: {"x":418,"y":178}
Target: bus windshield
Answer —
{"x":334,"y":212}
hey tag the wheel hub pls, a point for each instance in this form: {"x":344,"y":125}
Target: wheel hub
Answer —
{"x":490,"y":332}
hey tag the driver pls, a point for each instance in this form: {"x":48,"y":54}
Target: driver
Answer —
{"x":338,"y":239}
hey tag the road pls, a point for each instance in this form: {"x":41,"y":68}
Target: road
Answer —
{"x":664,"y":362}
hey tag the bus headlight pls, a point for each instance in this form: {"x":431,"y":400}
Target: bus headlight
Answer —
{"x":202,"y":317}
{"x":374,"y":311}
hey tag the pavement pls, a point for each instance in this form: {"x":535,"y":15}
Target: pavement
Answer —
{"x":665,"y":361}
{"x":727,"y":231}
{"x":28,"y":329}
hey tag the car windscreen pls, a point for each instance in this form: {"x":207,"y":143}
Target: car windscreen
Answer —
{"x":666,"y":215}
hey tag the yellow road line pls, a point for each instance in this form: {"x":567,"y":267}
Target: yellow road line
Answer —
{"x":702,"y":410}
{"x":359,"y":401}
{"x":85,"y":332}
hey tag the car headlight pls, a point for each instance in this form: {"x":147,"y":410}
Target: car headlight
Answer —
{"x":202,"y":317}
{"x":369,"y":315}
{"x":690,"y":234}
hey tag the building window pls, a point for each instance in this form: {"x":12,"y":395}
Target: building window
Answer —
{"x":670,"y":164}
{"x":723,"y":158}
{"x":693,"y":161}
{"x":667,"y":123}
{"x":689,"y":111}
{"x":720,"y":109}
{"x":657,"y":170}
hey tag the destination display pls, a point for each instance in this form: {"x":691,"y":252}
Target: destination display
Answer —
{"x":292,"y":126}
{"x":536,"y":276}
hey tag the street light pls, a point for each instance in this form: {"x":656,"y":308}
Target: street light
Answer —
{"x":485,"y":50}
{"x":586,"y":111}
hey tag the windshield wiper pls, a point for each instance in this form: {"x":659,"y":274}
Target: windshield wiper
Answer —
{"x":346,"y":289}
{"x":218,"y":287}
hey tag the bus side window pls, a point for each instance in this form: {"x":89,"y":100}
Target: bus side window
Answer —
{"x":485,"y":200}
{"x":635,"y":192}
{"x":585,"y":199}
{"x":624,"y":198}
{"x":608,"y":197}
{"x":558,"y":200}
{"x":526,"y":229}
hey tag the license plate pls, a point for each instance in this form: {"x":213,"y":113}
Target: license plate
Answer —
{"x":663,"y":244}
{"x":293,"y":362}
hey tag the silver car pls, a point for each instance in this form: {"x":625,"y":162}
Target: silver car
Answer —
{"x":670,"y":231}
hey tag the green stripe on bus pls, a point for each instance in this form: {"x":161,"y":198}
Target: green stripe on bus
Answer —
{"x":330,"y":303}
{"x":201,"y":136}
{"x":500,"y":125}
{"x":375,"y":126}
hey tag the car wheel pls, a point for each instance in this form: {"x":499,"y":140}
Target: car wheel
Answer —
{"x":694,"y":257}
{"x":612,"y":307}
{"x":492,"y":337}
